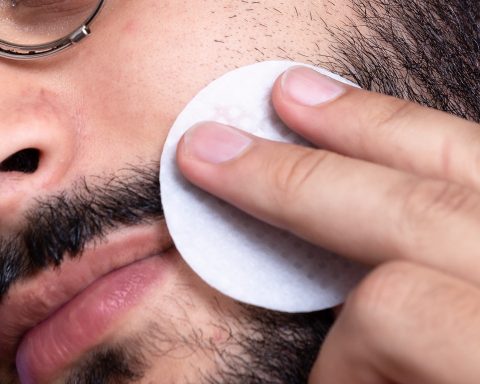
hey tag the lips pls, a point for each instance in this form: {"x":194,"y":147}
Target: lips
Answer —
{"x":64,"y":311}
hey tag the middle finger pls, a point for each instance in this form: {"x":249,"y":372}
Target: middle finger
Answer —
{"x":382,"y":129}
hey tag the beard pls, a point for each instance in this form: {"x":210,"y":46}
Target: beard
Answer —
{"x":425,"y":51}
{"x":262,"y":347}
{"x":61,"y":226}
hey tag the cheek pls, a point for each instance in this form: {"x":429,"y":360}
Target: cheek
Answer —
{"x":149,"y":58}
{"x":131,"y":97}
{"x":127,"y":116}
{"x":182,"y":324}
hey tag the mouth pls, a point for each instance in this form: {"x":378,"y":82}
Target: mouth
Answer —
{"x":48,"y":321}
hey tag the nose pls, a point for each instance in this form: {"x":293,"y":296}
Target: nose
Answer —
{"x":37,"y":148}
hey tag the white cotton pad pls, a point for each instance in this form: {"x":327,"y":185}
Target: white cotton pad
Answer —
{"x":238,"y":255}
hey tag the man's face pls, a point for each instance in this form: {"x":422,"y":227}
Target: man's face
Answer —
{"x":97,"y":117}
{"x":92,"y":289}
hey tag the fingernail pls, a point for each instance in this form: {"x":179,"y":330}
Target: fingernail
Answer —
{"x":215,"y":143}
{"x":309,"y":88}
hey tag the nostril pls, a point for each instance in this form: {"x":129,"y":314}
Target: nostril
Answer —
{"x":25,"y":161}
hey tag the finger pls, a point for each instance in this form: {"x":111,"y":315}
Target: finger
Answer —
{"x":404,"y":324}
{"x":379,"y":128}
{"x":358,"y":209}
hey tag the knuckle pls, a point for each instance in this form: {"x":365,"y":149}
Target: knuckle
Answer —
{"x":381,"y":294}
{"x":290,"y":176}
{"x":399,"y":297}
{"x":467,"y":147}
{"x":391,"y":115}
{"x":473,"y":172}
{"x":426,"y":202}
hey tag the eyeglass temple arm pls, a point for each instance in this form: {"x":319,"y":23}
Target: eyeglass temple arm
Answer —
{"x":19,"y":52}
{"x":29,"y":52}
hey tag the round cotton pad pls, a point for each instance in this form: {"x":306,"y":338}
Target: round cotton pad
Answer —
{"x":240,"y":256}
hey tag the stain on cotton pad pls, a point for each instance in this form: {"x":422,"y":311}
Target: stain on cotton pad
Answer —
{"x":238,"y":255}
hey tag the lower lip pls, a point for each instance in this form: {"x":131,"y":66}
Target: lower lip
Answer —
{"x":80,"y":324}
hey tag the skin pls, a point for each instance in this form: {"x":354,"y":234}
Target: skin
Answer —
{"x":70,"y":89}
{"x":422,"y":208}
{"x":58,"y":106}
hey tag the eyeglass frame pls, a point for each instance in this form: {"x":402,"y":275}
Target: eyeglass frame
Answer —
{"x":29,"y":52}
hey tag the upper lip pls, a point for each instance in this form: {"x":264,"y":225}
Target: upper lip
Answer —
{"x":32,"y":301}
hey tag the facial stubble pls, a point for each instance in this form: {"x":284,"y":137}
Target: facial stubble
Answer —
{"x":263,"y":347}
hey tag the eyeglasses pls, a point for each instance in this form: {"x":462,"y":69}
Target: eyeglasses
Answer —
{"x":31,"y":29}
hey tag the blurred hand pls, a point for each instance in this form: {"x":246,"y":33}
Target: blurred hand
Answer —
{"x":396,"y":186}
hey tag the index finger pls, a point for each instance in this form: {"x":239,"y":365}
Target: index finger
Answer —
{"x":362,"y":210}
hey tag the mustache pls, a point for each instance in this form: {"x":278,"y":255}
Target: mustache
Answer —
{"x":61,"y":225}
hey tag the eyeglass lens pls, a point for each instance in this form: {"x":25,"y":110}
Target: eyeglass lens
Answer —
{"x":36,"y":22}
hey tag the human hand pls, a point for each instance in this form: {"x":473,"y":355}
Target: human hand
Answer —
{"x":396,"y":186}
